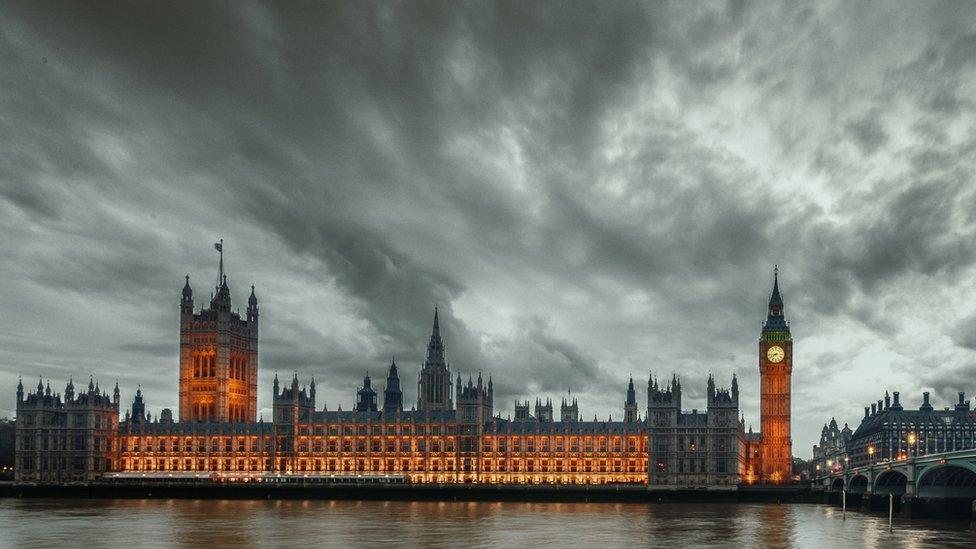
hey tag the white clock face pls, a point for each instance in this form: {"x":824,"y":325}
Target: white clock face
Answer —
{"x":775,"y":354}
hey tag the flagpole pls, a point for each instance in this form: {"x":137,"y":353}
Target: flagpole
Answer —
{"x":219,"y":246}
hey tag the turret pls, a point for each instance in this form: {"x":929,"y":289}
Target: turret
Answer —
{"x":115,"y":394}
{"x":963,"y":404}
{"x":735,"y":389}
{"x":138,"y":408}
{"x":569,"y":409}
{"x":392,"y":394}
{"x":925,"y":407}
{"x":676,"y":389}
{"x":186,"y":303}
{"x":366,"y":396}
{"x":275,"y":385}
{"x":252,"y":306}
{"x":69,"y":391}
{"x":630,"y":405}
{"x":20,"y":390}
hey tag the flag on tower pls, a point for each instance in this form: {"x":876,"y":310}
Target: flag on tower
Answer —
{"x":219,"y":246}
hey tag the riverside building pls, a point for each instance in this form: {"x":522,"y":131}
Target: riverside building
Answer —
{"x":452,"y":435}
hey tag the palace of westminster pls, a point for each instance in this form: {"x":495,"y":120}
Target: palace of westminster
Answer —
{"x":452,"y":435}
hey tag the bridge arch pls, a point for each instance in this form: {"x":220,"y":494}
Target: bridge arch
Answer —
{"x":956,"y":480}
{"x":837,"y":485}
{"x":858,"y":484}
{"x":891,"y":482}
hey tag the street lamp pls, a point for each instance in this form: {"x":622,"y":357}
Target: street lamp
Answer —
{"x":871,"y":452}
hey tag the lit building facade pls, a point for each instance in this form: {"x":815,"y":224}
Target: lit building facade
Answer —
{"x":218,"y":356}
{"x":769,"y":454}
{"x":466,"y":443}
{"x":452,"y":435}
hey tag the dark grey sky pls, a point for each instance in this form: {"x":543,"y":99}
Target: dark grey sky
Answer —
{"x":588,"y":191}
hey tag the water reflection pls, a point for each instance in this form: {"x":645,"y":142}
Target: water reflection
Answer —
{"x":244,"y":524}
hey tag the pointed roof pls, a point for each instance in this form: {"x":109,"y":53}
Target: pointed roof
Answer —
{"x":775,"y":320}
{"x":253,"y":300}
{"x":435,"y":347}
{"x":437,"y":326}
{"x":187,"y":291}
{"x":775,"y":298}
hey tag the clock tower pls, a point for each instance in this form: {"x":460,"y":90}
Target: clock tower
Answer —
{"x":775,"y":372}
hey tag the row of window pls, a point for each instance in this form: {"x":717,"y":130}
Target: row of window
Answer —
{"x":378,"y":444}
{"x":388,"y":465}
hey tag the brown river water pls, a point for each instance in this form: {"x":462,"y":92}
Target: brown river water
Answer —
{"x":61,"y":523}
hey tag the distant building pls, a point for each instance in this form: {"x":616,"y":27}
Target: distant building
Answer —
{"x":890,"y":432}
{"x":831,"y":453}
{"x":8,"y":429}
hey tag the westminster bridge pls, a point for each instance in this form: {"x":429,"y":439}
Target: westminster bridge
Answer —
{"x":946,"y":480}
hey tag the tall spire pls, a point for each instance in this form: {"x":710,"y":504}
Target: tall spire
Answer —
{"x":437,"y":325}
{"x":392,"y":395}
{"x":435,"y":348}
{"x":775,"y":319}
{"x":775,"y":299}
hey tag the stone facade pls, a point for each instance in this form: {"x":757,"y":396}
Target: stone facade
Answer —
{"x":697,"y":449}
{"x":831,"y":453}
{"x":66,"y":438}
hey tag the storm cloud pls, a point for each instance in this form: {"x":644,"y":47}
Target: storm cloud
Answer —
{"x":587,"y":191}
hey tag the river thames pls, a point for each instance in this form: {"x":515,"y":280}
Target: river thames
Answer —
{"x":243,"y":524}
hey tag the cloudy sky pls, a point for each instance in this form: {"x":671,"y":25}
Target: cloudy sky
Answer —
{"x":588,"y":191}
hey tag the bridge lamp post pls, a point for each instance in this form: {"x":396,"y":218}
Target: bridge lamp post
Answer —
{"x":871,"y":453}
{"x":912,"y":439}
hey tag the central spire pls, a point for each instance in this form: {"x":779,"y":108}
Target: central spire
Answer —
{"x":437,"y":326}
{"x":435,"y":348}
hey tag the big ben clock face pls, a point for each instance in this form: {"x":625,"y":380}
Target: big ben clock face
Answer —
{"x":775,"y":354}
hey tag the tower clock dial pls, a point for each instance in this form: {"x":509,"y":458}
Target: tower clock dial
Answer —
{"x":775,"y":354}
